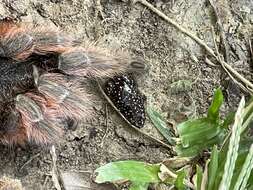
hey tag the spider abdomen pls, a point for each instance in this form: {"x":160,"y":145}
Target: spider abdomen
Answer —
{"x":124,"y":93}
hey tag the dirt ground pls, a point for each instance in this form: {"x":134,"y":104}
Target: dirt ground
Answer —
{"x":172,"y":59}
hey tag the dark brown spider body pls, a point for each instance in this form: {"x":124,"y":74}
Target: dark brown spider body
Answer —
{"x":15,"y":78}
{"x":41,"y":71}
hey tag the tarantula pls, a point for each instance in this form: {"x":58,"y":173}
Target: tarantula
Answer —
{"x":41,"y":74}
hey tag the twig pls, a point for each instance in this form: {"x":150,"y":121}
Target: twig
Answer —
{"x":248,"y":85}
{"x":210,"y":63}
{"x":135,"y":128}
{"x":28,"y":161}
{"x":55,"y":173}
{"x":81,"y":171}
{"x":106,"y":125}
{"x":219,"y":57}
{"x":100,"y":8}
{"x":251,"y":51}
{"x":223,"y":37}
{"x":45,"y":182}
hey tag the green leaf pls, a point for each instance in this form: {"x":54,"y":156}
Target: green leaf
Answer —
{"x":244,"y":175}
{"x":179,"y":183}
{"x":199,"y":177}
{"x":160,"y":124}
{"x":232,"y":152}
{"x":196,"y":149}
{"x":197,"y":135}
{"x":242,"y":154}
{"x":213,"y":111}
{"x":213,"y":168}
{"x":128,"y":170}
{"x":196,"y":131}
{"x":139,"y":186}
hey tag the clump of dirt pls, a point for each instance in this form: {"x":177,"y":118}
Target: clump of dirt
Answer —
{"x":171,"y":57}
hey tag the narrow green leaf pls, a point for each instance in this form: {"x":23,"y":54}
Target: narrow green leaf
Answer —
{"x":245,"y":171}
{"x":213,"y":111}
{"x":139,"y":186}
{"x":250,"y":182}
{"x":248,"y":108}
{"x":199,"y":177}
{"x":233,"y":148}
{"x":179,"y":183}
{"x":246,"y":123}
{"x":128,"y":170}
{"x":160,"y":124}
{"x":243,"y":151}
{"x":213,"y":168}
